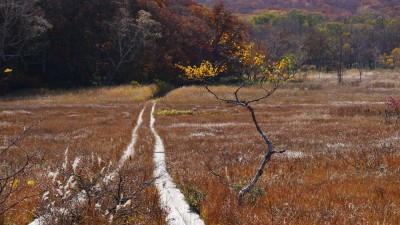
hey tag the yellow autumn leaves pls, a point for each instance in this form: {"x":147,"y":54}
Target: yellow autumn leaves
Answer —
{"x":280,"y":71}
{"x":264,"y":70}
{"x":391,"y":61}
{"x":7,"y":70}
{"x":7,"y":73}
{"x":249,"y":57}
{"x":206,"y":69}
{"x":16,"y":181}
{"x":14,"y":184}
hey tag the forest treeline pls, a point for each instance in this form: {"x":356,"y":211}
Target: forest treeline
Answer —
{"x":74,"y":43}
{"x":365,"y":40}
{"x":331,"y":8}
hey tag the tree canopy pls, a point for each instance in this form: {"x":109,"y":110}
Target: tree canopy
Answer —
{"x":71,"y":43}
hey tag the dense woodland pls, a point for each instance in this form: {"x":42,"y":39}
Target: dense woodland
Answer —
{"x":75,"y":43}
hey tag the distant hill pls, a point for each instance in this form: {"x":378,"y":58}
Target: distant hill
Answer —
{"x":332,"y":8}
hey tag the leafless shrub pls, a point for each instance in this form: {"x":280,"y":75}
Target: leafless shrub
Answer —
{"x":88,"y":189}
{"x":14,"y":161}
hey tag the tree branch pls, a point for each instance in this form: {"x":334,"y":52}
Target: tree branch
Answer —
{"x":269,"y":151}
{"x":221,"y":99}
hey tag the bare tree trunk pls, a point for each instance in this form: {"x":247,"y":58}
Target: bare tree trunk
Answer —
{"x":340,"y":76}
{"x":267,"y":157}
{"x":270,"y":151}
{"x":340,"y":71}
{"x":113,"y":73}
{"x":340,"y":66}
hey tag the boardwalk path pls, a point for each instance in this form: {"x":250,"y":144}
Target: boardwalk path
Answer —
{"x":171,"y":199}
{"x":170,"y":196}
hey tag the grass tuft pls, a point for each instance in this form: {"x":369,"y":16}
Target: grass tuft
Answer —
{"x":173,"y":112}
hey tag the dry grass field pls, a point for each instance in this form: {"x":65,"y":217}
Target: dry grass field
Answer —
{"x":342,"y":161}
{"x":95,"y":123}
{"x":341,"y":165}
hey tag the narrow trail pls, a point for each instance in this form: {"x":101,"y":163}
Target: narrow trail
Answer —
{"x":170,"y":196}
{"x":130,"y":150}
{"x":171,"y":199}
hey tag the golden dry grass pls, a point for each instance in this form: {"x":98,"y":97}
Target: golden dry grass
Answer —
{"x":103,"y":95}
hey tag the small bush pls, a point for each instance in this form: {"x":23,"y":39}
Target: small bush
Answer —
{"x":392,"y":109}
{"x":134,"y":83}
{"x":194,"y":197}
{"x":393,"y":104}
{"x":162,"y":88}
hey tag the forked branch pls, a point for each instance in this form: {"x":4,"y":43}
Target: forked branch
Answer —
{"x":270,"y":151}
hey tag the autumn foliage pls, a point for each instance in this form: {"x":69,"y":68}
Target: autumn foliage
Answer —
{"x":90,"y":43}
{"x":205,"y":70}
{"x":255,"y":68}
{"x":392,"y":60}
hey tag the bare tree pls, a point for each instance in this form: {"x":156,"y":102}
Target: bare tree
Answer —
{"x":20,"y":29}
{"x":238,"y":101}
{"x":128,"y":36}
{"x":272,"y":76}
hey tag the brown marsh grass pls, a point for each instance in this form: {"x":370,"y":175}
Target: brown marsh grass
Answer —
{"x":87,"y":122}
{"x":341,"y":164}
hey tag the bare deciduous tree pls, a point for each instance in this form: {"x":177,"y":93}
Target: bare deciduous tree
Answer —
{"x":128,"y":36}
{"x":247,"y":104}
{"x":272,"y":75}
{"x":21,"y":28}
